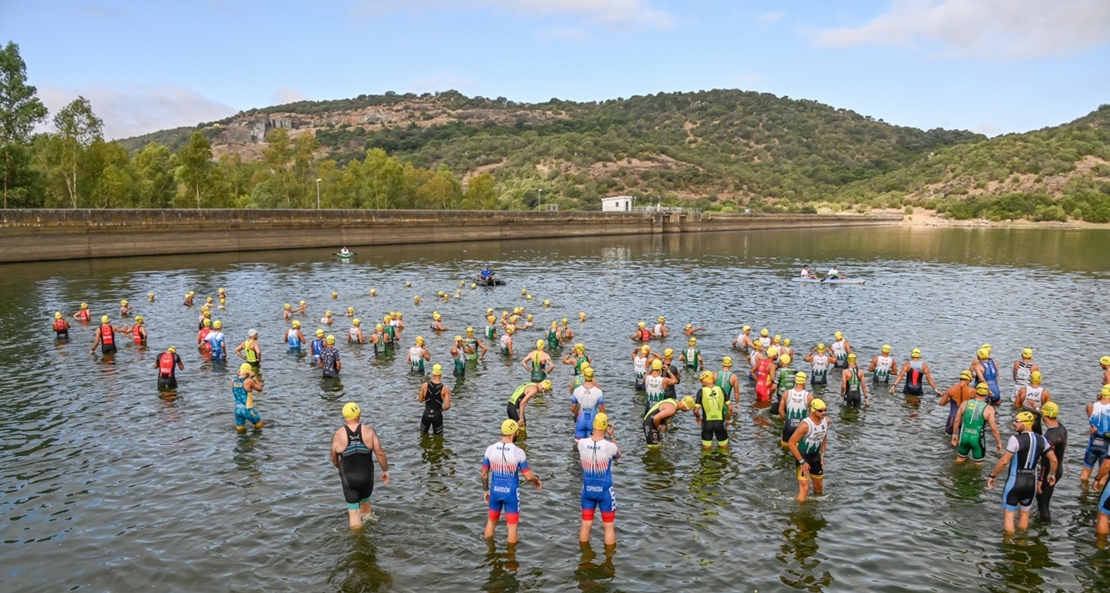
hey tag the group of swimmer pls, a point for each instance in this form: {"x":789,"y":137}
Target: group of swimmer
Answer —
{"x":1031,"y":458}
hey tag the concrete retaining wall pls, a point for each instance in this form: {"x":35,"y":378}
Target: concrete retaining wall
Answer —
{"x":39,"y":235}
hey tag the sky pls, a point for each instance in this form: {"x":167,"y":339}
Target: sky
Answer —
{"x":991,"y":66}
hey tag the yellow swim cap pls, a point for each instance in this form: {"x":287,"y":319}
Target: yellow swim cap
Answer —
{"x":656,"y":364}
{"x":524,"y":291}
{"x":693,"y":341}
{"x":1027,"y":353}
{"x":582,"y":315}
{"x":57,"y":315}
{"x":747,"y":328}
{"x":104,"y":319}
{"x":470,"y":330}
{"x":356,"y":321}
{"x":689,"y":325}
{"x":1105,"y":360}
{"x":302,"y":301}
{"x":764,"y":332}
{"x":1050,"y":410}
{"x":419,"y":339}
{"x":171,"y":349}
{"x":1027,"y":418}
{"x":688,"y":402}
{"x":706,"y":376}
{"x":510,"y":329}
{"x":588,"y":372}
{"x":288,"y":306}
{"x":641,"y":324}
{"x":217,"y":324}
{"x":565,"y":321}
{"x":546,"y":303}
{"x":539,"y":344}
{"x":915,"y":353}
{"x":965,"y":374}
{"x":986,"y":347}
{"x":408,"y":284}
{"x":758,"y":345}
{"x":489,"y":311}
{"x":458,"y":338}
{"x":330,"y":339}
{"x":529,"y":317}
{"x":139,"y":319}
{"x":785,"y":359}
{"x":580,"y":347}
{"x":245,"y":367}
{"x":668,"y":352}
{"x":490,"y":318}
{"x":86,"y":306}
{"x":645,"y":348}
{"x":1035,"y":377}
{"x":838,"y":336}
{"x":546,"y":384}
{"x":529,"y":297}
{"x":662,"y":319}
{"x":772,"y":352}
{"x":726,"y":361}
{"x":436,"y":315}
{"x":886,"y":347}
{"x":777,"y":339}
{"x":350,"y":309}
{"x":817,"y":405}
{"x":351,"y":411}
{"x":601,"y":421}
{"x":786,"y":341}
{"x":208,"y":323}
{"x":334,"y":295}
{"x":821,"y":347}
{"x":319,"y":332}
{"x":852,"y":357}
{"x":800,"y":378}
{"x":982,"y":389}
{"x":509,"y":427}
{"x":378,"y":327}
{"x":984,"y":354}
{"x":437,"y":369}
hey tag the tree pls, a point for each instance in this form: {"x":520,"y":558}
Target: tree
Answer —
{"x":154,"y":176}
{"x":479,"y":193}
{"x":76,"y":128}
{"x":194,"y":162}
{"x":20,"y":110}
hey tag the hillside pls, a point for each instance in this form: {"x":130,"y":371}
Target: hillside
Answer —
{"x":720,"y":148}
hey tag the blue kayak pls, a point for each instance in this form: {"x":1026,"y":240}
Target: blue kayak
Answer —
{"x":830,"y":280}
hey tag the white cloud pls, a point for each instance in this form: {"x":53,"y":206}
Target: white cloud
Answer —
{"x":616,"y":14}
{"x":987,"y":29}
{"x":286,"y":95}
{"x":138,"y":109}
{"x":770,"y":18}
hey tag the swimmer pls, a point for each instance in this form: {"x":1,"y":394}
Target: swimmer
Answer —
{"x":819,"y":364}
{"x":728,"y":381}
{"x":329,"y":359}
{"x":1104,"y":362}
{"x":202,"y":336}
{"x":529,"y":323}
{"x":83,"y":314}
{"x":205,"y":315}
{"x":249,"y":350}
{"x":972,"y":418}
{"x":586,"y":402}
{"x":670,"y":367}
{"x":578,"y":358}
{"x":167,"y":364}
{"x":538,"y":363}
{"x":106,"y":337}
{"x":553,"y":339}
{"x":1098,"y":415}
{"x":326,"y":319}
{"x":1057,"y":437}
{"x":566,"y":334}
{"x":852,"y":385}
{"x":691,"y":356}
{"x":783,"y":381}
{"x":506,"y":462}
{"x":301,"y":308}
{"x":317,"y":346}
{"x":473,"y":345}
{"x":61,"y":327}
{"x":350,"y":312}
{"x":712,"y":412}
{"x":660,"y":330}
{"x":351,"y":449}
{"x":841,"y":348}
{"x":882,"y":366}
{"x":491,"y":328}
{"x":287,"y":312}
{"x":765,"y":338}
{"x":986,"y":371}
{"x":390,"y":330}
{"x":794,"y":406}
{"x":125,"y":309}
{"x":785,"y":349}
{"x":150,"y":297}
{"x":743,"y":342}
{"x":1032,"y":397}
{"x":1024,"y":452}
{"x":808,"y":444}
{"x":506,"y":342}
{"x":437,"y":323}
{"x":215,"y":341}
{"x":436,"y":398}
{"x":582,"y":317}
{"x":640,"y":357}
{"x":914,"y":371}
{"x":354,"y":334}
{"x":188,"y":302}
{"x":955,"y":396}
{"x":656,"y":382}
{"x":377,"y":337}
{"x":518,"y":401}
{"x":598,"y":455}
{"x":659,"y":416}
{"x":417,"y":355}
{"x":764,"y":372}
{"x":1022,"y":369}
{"x":642,"y":334}
{"x":241,"y":387}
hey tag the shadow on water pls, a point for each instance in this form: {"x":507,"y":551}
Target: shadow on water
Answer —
{"x":358,"y":570}
{"x":802,"y":569}
{"x":660,"y":470}
{"x":594,"y":576}
{"x":503,"y":567}
{"x":704,"y":486}
{"x":964,"y":481}
{"x":437,"y":457}
{"x":1024,"y":556}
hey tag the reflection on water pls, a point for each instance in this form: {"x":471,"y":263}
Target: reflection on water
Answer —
{"x":594,"y":576}
{"x":90,"y":451}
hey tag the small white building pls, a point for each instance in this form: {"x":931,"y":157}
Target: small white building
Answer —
{"x":617,"y":204}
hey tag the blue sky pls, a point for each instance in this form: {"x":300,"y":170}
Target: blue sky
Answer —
{"x":993,"y":66}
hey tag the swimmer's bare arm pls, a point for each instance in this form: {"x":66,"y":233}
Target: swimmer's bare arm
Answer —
{"x":866,"y":396}
{"x":446,"y":398}
{"x":567,"y":360}
{"x":1003,"y":462}
{"x":533,"y":478}
{"x":1016,"y":363}
{"x":929,"y":377}
{"x":905,"y":368}
{"x":239,"y":352}
{"x":485,"y":481}
{"x":423,"y":392}
{"x":1103,"y":470}
{"x":380,"y":453}
{"x":1019,"y":399}
{"x":482,"y":345}
{"x":994,"y":427}
{"x":874,"y":363}
{"x":523,"y":361}
{"x":947,"y":397}
{"x":337,"y":446}
{"x":792,"y":444}
{"x":958,"y":423}
{"x":847,"y":347}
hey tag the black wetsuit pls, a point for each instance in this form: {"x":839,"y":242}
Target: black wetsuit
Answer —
{"x":356,"y":468}
{"x":432,"y":420}
{"x":1057,"y":438}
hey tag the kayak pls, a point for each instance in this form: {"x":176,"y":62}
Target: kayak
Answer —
{"x":343,"y":256}
{"x":830,"y":281}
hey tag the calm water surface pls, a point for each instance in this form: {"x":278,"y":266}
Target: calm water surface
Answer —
{"x":105,"y":485}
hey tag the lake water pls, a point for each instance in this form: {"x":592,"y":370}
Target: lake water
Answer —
{"x":105,"y":485}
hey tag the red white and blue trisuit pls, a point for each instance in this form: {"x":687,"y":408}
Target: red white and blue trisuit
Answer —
{"x":505,"y":462}
{"x":597,"y":478}
{"x":588,"y":399}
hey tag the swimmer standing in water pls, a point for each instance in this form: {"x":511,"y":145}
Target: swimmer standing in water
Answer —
{"x":353,"y":448}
